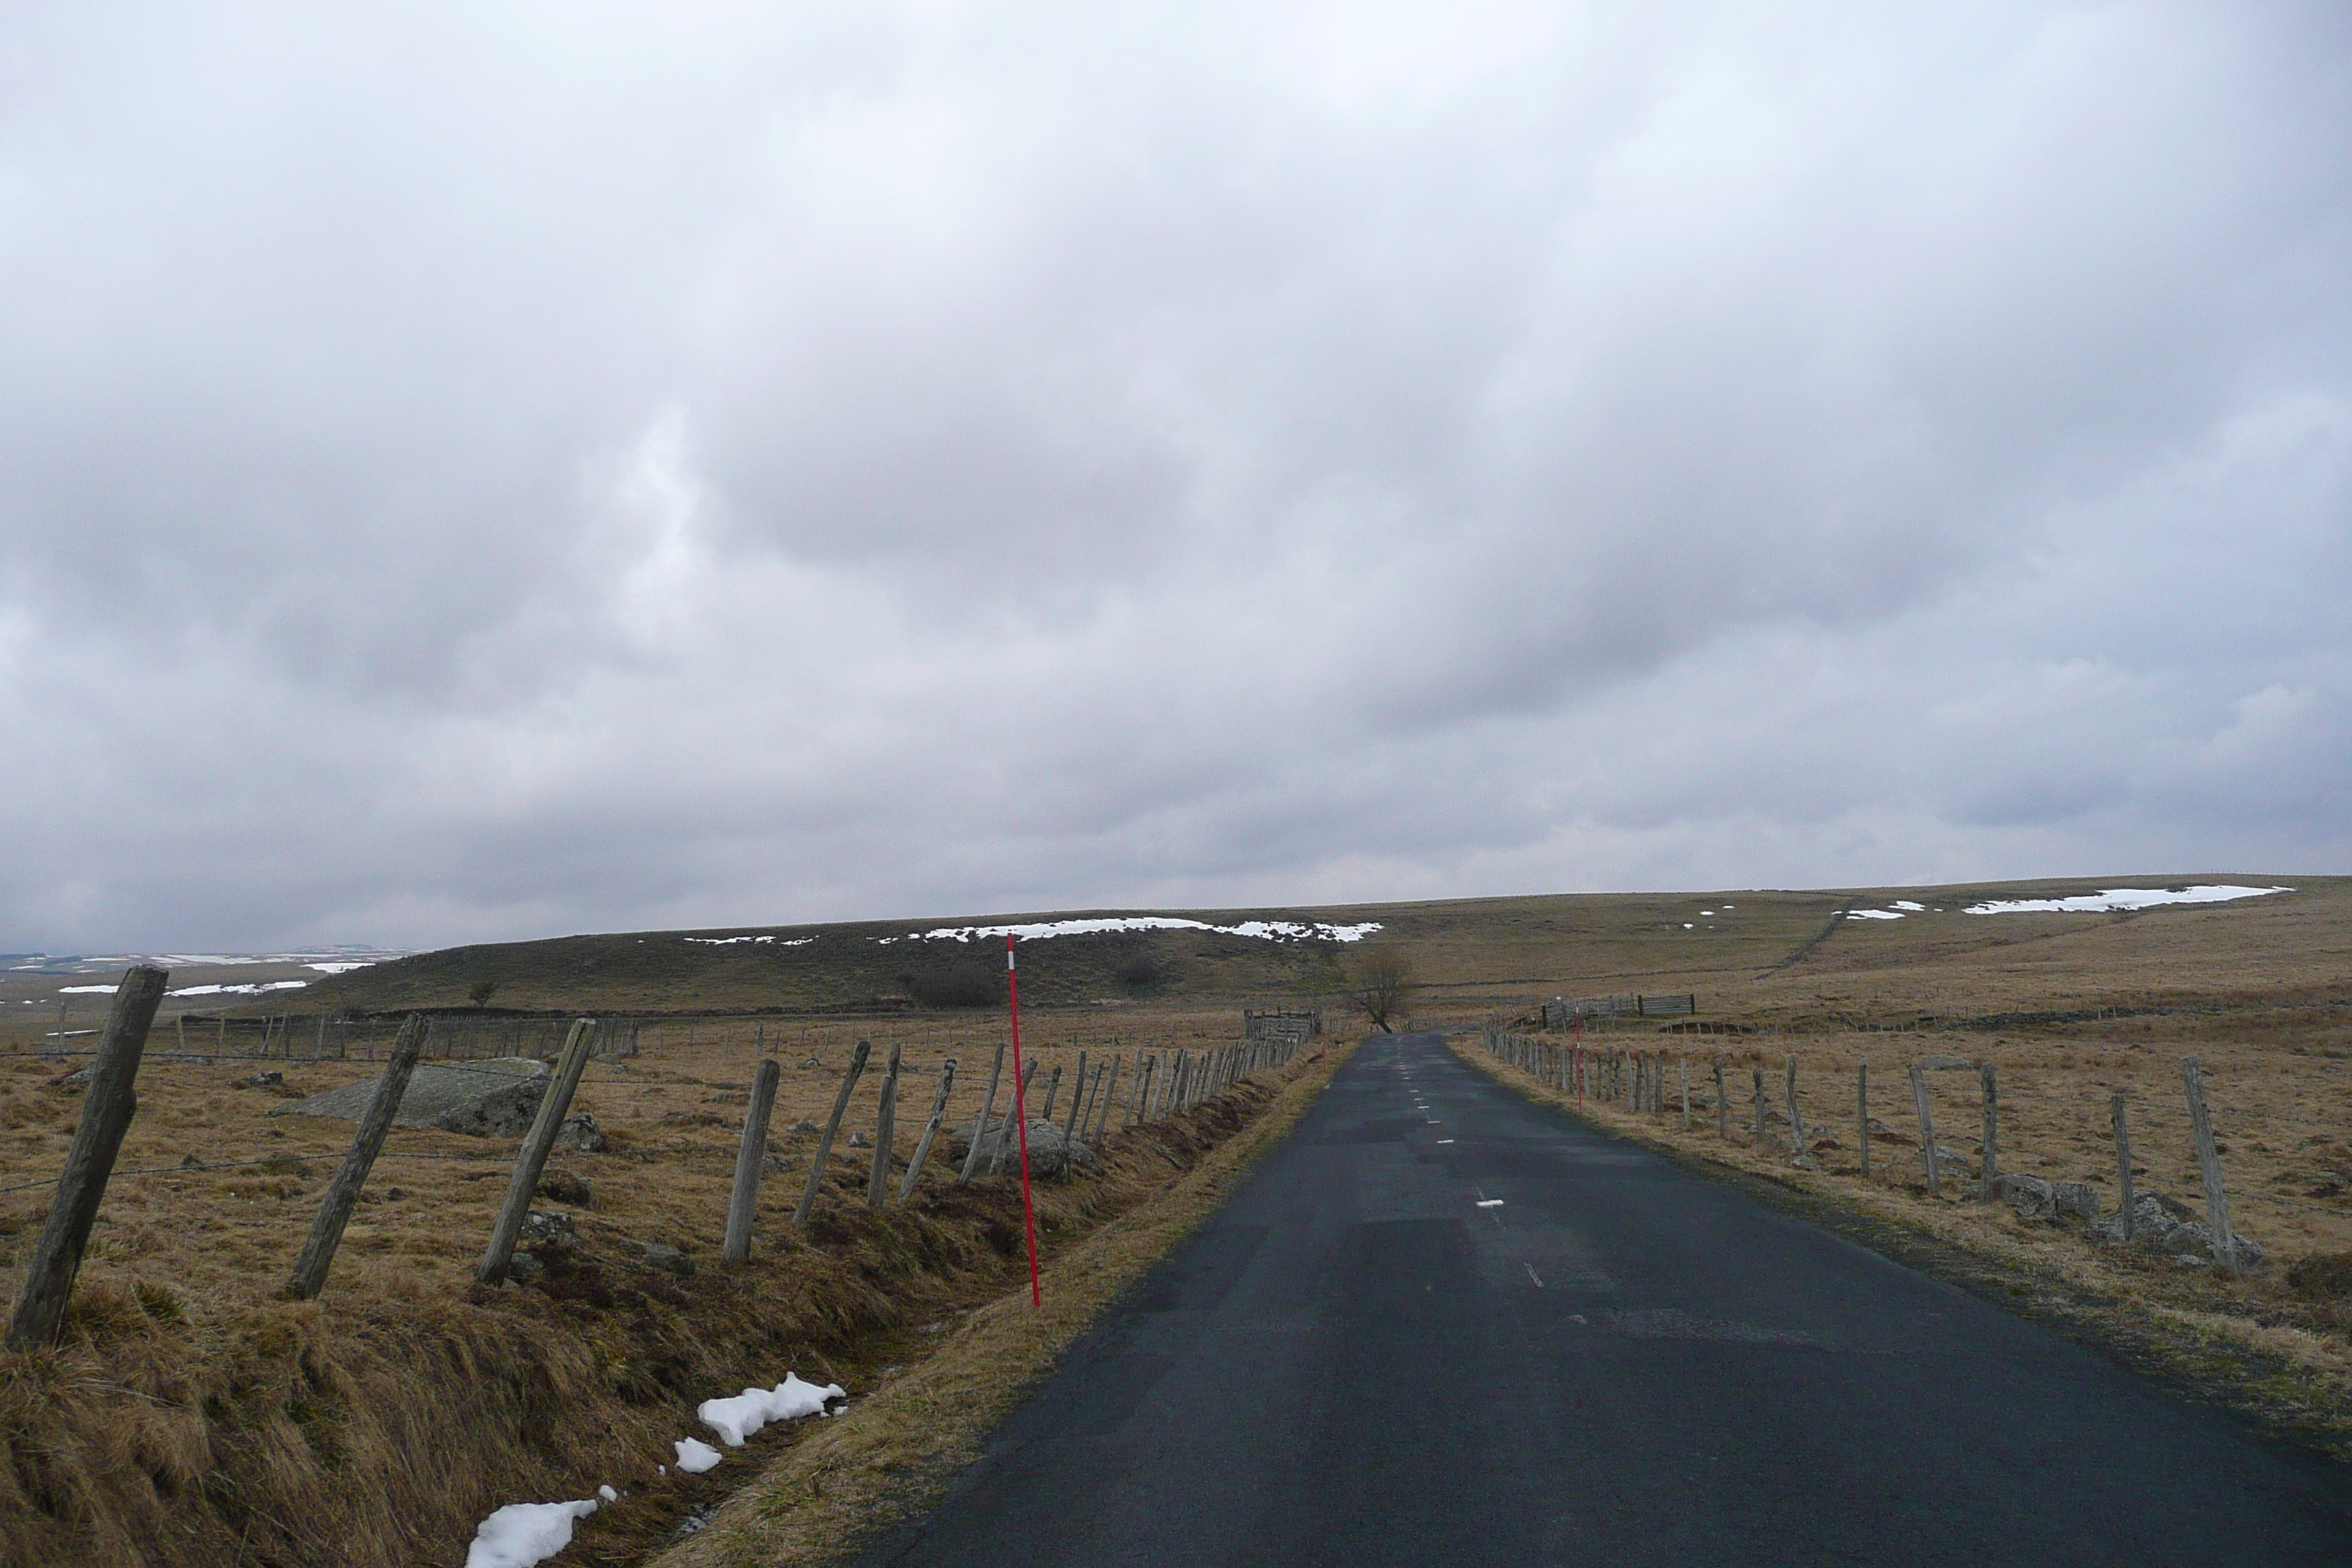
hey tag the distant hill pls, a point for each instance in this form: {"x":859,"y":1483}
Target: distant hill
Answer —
{"x":1768,"y":952}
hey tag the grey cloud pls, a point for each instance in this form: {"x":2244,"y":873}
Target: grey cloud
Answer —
{"x":470,"y":473}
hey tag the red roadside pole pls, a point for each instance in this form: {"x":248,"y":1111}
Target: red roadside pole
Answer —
{"x":1021,"y":1119}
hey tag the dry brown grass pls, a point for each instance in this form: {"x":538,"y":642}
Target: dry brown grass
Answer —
{"x":896,"y":1450}
{"x":189,"y":1418}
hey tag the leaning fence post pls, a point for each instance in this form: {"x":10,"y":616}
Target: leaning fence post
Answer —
{"x":1992,"y":1159}
{"x":2123,"y":1163}
{"x":807,"y":1204}
{"x":2208,"y":1163}
{"x":318,"y":1253}
{"x":885,"y":1127}
{"x":930,"y":1128}
{"x":532,"y":1160}
{"x":1139,"y":1107}
{"x":1077,"y":1098}
{"x":1862,"y":1114}
{"x":1019,"y":1098}
{"x":1926,"y":1130}
{"x":979,"y":1127}
{"x":749,"y":1159}
{"x":106,"y":1108}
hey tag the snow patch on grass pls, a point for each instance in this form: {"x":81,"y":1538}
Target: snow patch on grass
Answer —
{"x":2118,"y":898}
{"x":522,"y":1533}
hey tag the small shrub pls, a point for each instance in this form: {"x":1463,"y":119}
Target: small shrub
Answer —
{"x":969,"y":984}
{"x":2323,"y":1275}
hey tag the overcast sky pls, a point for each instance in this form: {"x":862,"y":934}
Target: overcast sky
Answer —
{"x":485,"y":471}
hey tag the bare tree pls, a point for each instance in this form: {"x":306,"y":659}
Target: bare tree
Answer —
{"x":1380,"y":982}
{"x":482,"y":990}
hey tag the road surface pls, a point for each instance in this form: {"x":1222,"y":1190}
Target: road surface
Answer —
{"x":1440,"y":1325}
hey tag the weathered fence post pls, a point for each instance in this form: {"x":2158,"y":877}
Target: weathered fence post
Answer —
{"x":318,"y":1253}
{"x":2209,"y":1165}
{"x":1927,"y":1129}
{"x":1077,"y":1098}
{"x":1053,"y":1093}
{"x":1685,"y":1073}
{"x":1759,"y":1105}
{"x":107,"y":1107}
{"x":1139,"y":1107}
{"x":1722,"y":1105}
{"x":1991,"y":1162}
{"x":979,"y":1127}
{"x":885,"y":1127}
{"x":849,"y":1077}
{"x":1796,"y":1117}
{"x":931,"y":1129}
{"x":532,"y":1160}
{"x":1004,"y":1145}
{"x":1862,"y":1114}
{"x":1106,"y":1099}
{"x":2123,"y":1163}
{"x":749,"y":1157}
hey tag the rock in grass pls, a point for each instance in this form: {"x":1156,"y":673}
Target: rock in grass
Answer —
{"x":2170,"y":1228}
{"x":661,"y":1255}
{"x":566,"y":1187}
{"x":1052,"y":1150}
{"x":580,"y":1131}
{"x":495,"y":1098}
{"x":549,"y":1231}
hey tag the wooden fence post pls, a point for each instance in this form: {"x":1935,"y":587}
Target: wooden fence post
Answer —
{"x":1004,"y":1145}
{"x":1991,"y":1162}
{"x":532,"y":1160}
{"x":1722,"y":1105}
{"x":1759,"y":1105}
{"x":1053,"y":1093}
{"x":1862,"y":1114}
{"x":1139,"y":1105}
{"x":931,"y":1129}
{"x":1796,"y":1117}
{"x":1926,"y":1130}
{"x":1685,"y":1072}
{"x":2123,"y":1163}
{"x":849,"y":1077}
{"x":749,"y":1157}
{"x":885,"y":1127}
{"x":107,"y":1107}
{"x":1109,"y":1099}
{"x":1077,"y":1098}
{"x":979,"y":1127}
{"x":2209,"y":1165}
{"x":318,"y":1253}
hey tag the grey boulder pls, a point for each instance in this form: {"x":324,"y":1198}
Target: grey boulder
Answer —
{"x":495,"y":1098}
{"x":2167,"y":1226}
{"x":1052,"y":1152}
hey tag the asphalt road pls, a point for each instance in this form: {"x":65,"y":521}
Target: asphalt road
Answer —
{"x":1441,"y":1324}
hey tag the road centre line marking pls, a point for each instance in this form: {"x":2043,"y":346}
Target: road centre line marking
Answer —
{"x":1531,"y":1274}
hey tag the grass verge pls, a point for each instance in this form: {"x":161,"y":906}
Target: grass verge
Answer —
{"x":896,"y":1450}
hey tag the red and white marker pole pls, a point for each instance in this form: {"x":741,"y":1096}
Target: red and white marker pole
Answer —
{"x":1021,"y":1119}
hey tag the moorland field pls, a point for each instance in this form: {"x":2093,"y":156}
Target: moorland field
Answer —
{"x":188,"y":1397}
